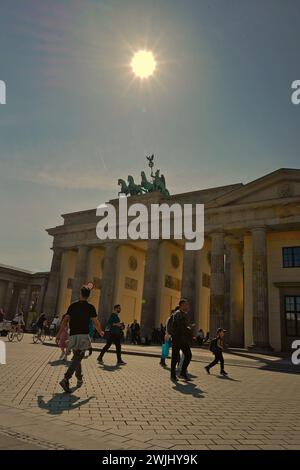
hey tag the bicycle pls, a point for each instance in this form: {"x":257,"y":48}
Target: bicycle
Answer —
{"x":15,"y":333}
{"x":51,"y":333}
{"x":39,"y":336}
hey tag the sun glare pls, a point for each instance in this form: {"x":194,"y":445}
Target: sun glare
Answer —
{"x":143,"y":64}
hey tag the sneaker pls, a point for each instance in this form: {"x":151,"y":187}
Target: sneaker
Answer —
{"x":64,"y":383}
{"x":185,"y":377}
{"x":174,"y":379}
{"x":121,"y":363}
{"x":207,"y":369}
{"x":163,"y":364}
{"x":100,"y":360}
{"x":223,"y":373}
{"x":79,"y":383}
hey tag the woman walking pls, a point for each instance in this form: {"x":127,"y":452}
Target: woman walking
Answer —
{"x":63,"y":341}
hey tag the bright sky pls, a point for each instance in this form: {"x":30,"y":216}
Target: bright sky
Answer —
{"x":216,"y":111}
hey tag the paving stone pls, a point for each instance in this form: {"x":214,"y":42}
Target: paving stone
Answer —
{"x":138,"y":408}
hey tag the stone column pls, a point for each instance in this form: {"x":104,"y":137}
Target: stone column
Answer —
{"x":40,"y":301}
{"x":27,"y":303}
{"x":108,"y":283}
{"x":227,"y":283}
{"x":14,"y":303}
{"x":8,"y":297}
{"x":188,"y":280}
{"x":260,"y":290}
{"x":150,"y":299}
{"x":217,"y":297}
{"x":80,"y":271}
{"x":236,"y":301}
{"x":53,"y":283}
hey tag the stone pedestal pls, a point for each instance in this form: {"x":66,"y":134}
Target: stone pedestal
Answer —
{"x":149,"y":305}
{"x":217,"y":297}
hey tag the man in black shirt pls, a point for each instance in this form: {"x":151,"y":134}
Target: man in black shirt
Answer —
{"x":181,"y":333}
{"x":114,"y":332}
{"x":78,"y":317}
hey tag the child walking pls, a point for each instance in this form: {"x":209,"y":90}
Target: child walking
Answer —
{"x":216,"y":347}
{"x":63,"y":342}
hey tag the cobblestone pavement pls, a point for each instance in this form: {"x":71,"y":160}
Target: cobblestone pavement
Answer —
{"x":137,"y":407}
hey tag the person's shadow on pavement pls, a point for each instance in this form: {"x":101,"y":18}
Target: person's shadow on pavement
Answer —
{"x":189,"y":389}
{"x":226,"y":377}
{"x":108,"y":368}
{"x":59,"y":362}
{"x":61,"y":402}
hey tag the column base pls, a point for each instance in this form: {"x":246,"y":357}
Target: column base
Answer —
{"x":260,"y":347}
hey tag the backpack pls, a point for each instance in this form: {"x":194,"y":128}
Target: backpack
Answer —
{"x":213,"y":345}
{"x":170,"y":324}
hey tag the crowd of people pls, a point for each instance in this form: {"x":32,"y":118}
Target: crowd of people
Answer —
{"x":81,"y":315}
{"x":80,"y":324}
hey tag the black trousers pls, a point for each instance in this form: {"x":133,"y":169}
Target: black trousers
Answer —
{"x":218,"y":358}
{"x":112,"y":338}
{"x":177,"y":346}
{"x":75,"y":366}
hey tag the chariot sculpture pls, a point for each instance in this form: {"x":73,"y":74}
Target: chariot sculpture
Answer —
{"x":157,"y":182}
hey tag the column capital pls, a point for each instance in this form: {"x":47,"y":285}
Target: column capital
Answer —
{"x":234,"y":239}
{"x":218,"y":232}
{"x":83,"y":247}
{"x":111,"y":244}
{"x":233,"y":243}
{"x":57,"y":249}
{"x":259,"y":228}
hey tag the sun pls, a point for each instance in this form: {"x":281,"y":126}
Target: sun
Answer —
{"x":143,"y":64}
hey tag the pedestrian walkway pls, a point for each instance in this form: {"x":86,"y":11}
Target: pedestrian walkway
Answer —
{"x":235,"y":357}
{"x":137,"y":407}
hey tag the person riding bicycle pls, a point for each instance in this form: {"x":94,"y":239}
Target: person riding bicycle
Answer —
{"x":18,"y":321}
{"x":54,"y":325}
{"x":40,"y":324}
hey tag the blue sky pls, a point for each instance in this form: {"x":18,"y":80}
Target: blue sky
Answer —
{"x":217,"y":111}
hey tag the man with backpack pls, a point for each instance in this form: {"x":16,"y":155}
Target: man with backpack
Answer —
{"x":114,"y":331}
{"x":216,"y":347}
{"x":168,"y":339}
{"x":181,"y":332}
